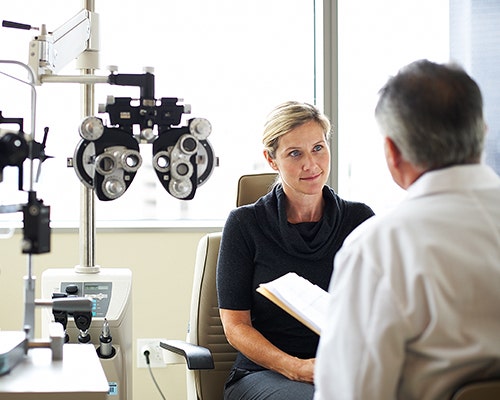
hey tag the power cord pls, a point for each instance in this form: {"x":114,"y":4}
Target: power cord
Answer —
{"x":146,"y":355}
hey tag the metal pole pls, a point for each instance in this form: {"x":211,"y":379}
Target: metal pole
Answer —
{"x":87,"y":196}
{"x":29,"y":302}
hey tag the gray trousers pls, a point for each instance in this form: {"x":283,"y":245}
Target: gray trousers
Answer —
{"x":269,"y":385}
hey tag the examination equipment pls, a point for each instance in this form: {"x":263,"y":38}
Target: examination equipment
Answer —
{"x":106,"y":161}
{"x":110,"y":331}
{"x":16,"y":147}
{"x":108,"y":156}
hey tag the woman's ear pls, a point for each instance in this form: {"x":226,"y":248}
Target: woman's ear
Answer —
{"x":270,"y":160}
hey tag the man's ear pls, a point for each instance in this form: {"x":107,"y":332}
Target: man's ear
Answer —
{"x":403,"y":172}
{"x":270,"y":160}
{"x":392,"y":153}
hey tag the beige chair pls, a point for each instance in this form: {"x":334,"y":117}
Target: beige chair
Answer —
{"x":485,"y":390}
{"x":208,"y":355}
{"x":251,"y":187}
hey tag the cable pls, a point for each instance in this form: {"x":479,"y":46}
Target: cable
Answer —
{"x":146,"y":355}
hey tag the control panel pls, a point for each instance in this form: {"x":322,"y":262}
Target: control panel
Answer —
{"x":109,"y":289}
{"x":98,"y":292}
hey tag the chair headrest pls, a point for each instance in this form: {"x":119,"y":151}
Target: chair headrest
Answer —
{"x":253,"y":186}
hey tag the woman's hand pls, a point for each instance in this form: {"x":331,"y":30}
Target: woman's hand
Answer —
{"x":244,"y":337}
{"x":303,"y":371}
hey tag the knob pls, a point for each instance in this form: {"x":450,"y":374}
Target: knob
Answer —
{"x":72,"y":289}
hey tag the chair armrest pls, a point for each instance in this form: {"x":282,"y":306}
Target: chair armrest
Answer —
{"x":197,"y":357}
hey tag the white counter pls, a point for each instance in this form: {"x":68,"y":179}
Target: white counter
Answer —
{"x":78,"y":376}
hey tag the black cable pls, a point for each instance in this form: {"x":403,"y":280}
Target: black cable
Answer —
{"x":146,"y":355}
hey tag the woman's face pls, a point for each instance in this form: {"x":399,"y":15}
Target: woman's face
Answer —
{"x":302,"y":159}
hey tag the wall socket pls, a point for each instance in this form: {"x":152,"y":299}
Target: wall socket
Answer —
{"x":155,"y":353}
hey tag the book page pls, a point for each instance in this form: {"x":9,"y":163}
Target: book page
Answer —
{"x":300,"y":298}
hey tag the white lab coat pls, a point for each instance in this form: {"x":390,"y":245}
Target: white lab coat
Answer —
{"x":415,"y":307}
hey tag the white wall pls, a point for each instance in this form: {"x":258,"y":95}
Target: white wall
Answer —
{"x":162,"y":264}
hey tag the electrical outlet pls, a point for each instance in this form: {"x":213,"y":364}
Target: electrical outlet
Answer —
{"x":155,"y":353}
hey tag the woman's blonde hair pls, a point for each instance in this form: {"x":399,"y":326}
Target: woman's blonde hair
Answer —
{"x":288,"y":116}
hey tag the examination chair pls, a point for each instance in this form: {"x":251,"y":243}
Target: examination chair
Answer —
{"x":484,"y":390}
{"x":208,"y":355}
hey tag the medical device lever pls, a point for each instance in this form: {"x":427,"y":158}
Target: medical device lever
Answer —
{"x":17,"y":25}
{"x":105,"y":349}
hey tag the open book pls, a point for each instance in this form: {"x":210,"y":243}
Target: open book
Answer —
{"x":300,"y":298}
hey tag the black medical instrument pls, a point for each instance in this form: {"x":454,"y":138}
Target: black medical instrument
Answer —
{"x":15,"y":148}
{"x":108,"y":156}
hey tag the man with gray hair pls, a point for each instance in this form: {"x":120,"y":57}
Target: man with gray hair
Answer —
{"x":415,"y":307}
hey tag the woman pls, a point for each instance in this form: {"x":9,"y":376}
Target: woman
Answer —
{"x":298,"y":226}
